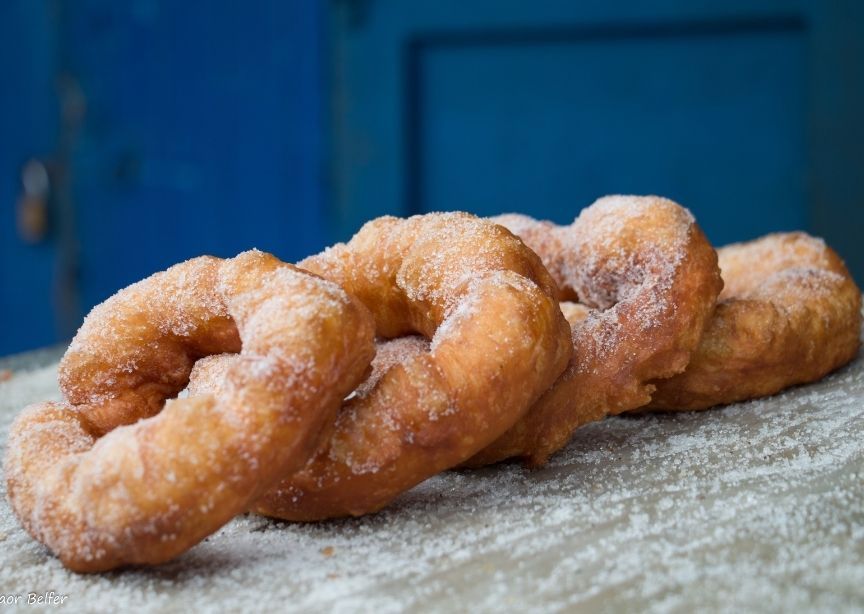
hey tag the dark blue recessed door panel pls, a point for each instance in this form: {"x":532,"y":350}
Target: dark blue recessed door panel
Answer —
{"x":748,"y":112}
{"x":714,"y":121}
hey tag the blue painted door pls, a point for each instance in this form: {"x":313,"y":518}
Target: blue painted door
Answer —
{"x":186,"y":128}
{"x":202,"y":133}
{"x":748,"y":112}
{"x":32,"y":277}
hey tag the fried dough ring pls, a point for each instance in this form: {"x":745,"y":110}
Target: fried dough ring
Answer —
{"x":498,"y":341}
{"x":144,"y":493}
{"x":790,"y":313}
{"x":651,"y":278}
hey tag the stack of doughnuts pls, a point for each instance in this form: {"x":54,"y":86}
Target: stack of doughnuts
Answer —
{"x":328,"y":388}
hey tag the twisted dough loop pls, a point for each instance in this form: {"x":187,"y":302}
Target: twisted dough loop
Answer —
{"x":144,"y":493}
{"x":790,"y":313}
{"x":498,"y":340}
{"x":136,"y":349}
{"x":651,"y":278}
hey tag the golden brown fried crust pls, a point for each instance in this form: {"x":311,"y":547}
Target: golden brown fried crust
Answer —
{"x":651,"y":278}
{"x":124,"y":362}
{"x":790,"y":313}
{"x":549,"y":243}
{"x":498,"y":340}
{"x":144,"y":493}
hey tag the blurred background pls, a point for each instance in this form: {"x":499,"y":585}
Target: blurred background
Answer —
{"x":140,"y":133}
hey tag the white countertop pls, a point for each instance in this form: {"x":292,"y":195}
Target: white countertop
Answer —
{"x":758,"y":506}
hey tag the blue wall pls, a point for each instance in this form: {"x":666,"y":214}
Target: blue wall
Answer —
{"x":172,"y":129}
{"x":746,"y":111}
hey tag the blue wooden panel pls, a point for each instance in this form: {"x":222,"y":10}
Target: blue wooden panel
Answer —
{"x":544,"y":122}
{"x":203,"y":133}
{"x":747,"y":112}
{"x":199,"y":129}
{"x":28,"y":125}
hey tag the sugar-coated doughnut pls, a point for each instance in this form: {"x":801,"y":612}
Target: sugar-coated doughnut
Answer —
{"x":101,"y":495}
{"x":789,"y":313}
{"x":650,"y":279}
